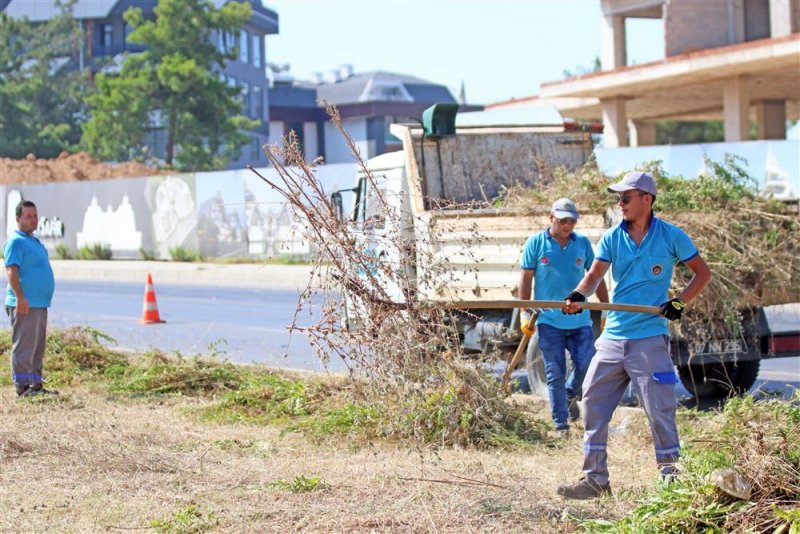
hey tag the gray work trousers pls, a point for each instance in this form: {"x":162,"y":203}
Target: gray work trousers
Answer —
{"x":28,"y":338}
{"x":647,"y":363}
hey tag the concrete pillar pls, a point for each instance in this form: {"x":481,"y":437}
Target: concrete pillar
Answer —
{"x":736,"y":109}
{"x":642,"y":133}
{"x":780,"y":18}
{"x":615,"y":131}
{"x":612,"y":36}
{"x":771,"y":119}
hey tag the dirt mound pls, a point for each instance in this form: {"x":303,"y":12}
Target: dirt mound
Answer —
{"x":68,"y":168}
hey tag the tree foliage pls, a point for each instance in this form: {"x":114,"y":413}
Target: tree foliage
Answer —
{"x":174,"y":84}
{"x":41,"y":100}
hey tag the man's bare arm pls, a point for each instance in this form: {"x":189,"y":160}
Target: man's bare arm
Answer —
{"x":12,"y":271}
{"x":702,"y":275}
{"x":525,"y":283}
{"x":602,"y":291}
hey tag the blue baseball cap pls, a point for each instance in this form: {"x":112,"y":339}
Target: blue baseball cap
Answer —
{"x":635,"y":180}
{"x":564,"y":208}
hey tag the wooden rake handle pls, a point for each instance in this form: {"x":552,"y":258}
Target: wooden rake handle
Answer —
{"x":543,"y":304}
{"x":523,"y":344}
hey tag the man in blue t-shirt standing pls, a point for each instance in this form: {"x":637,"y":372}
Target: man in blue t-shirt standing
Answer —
{"x":555,"y":260}
{"x":641,"y":251}
{"x":30,"y":291}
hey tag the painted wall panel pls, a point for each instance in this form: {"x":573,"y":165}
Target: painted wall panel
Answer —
{"x":219,"y":214}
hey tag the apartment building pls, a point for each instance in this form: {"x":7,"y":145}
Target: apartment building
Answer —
{"x":106,"y":36}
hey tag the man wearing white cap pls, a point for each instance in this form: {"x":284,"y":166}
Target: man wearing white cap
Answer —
{"x":556,"y":259}
{"x":641,"y":251}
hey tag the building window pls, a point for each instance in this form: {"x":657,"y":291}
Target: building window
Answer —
{"x":221,"y":41}
{"x":256,"y":51}
{"x":105,"y":36}
{"x":244,"y":45}
{"x":230,"y":41}
{"x":127,"y":30}
{"x":234,"y":83}
{"x":246,"y":108}
{"x":258,"y":97}
{"x":255,"y":151}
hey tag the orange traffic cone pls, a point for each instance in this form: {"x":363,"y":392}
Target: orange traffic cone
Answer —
{"x":150,"y":306}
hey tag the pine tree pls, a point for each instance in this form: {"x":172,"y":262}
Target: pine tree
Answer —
{"x":174,"y":84}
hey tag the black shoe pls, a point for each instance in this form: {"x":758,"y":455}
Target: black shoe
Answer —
{"x":583,"y":490}
{"x":574,"y":409}
{"x":669,"y":474}
{"x":33,"y":392}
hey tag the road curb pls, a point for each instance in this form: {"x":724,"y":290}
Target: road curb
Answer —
{"x":255,"y":275}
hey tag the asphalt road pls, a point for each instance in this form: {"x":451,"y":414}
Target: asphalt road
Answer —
{"x":242,"y":325}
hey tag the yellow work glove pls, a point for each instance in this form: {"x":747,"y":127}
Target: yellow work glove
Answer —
{"x":525,"y":325}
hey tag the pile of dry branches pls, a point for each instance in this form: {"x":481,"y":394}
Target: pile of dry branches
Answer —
{"x":762,"y":440}
{"x":405,"y":353}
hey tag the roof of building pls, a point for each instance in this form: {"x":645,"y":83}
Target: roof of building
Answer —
{"x":42,"y":10}
{"x":383,"y":87}
{"x":281,"y":95}
{"x":686,"y":86}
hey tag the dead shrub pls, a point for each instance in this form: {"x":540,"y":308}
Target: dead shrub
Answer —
{"x":408,"y":350}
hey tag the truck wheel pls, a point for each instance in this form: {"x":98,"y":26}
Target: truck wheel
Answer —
{"x":716,"y":380}
{"x":534,"y":364}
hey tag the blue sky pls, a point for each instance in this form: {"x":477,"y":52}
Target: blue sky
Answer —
{"x":500,"y":49}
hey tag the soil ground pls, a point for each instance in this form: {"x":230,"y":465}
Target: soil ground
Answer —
{"x":90,"y":461}
{"x":68,"y":168}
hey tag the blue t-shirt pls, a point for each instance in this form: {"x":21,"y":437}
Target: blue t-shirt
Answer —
{"x":642,"y":275}
{"x":35,"y":272}
{"x":558,"y":271}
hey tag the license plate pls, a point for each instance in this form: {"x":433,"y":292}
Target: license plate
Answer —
{"x":718,"y":346}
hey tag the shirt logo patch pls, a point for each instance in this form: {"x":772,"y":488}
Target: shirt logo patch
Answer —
{"x":656,"y":270}
{"x":545,"y":260}
{"x":579,"y":262}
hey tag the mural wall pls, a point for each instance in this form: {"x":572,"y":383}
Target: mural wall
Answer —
{"x":218,"y":214}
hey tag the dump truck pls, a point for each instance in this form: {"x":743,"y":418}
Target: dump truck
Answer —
{"x":443,"y":184}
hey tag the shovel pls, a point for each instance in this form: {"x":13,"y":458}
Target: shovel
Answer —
{"x":512,"y":364}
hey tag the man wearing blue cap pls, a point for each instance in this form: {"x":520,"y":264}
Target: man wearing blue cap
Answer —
{"x":641,"y":251}
{"x":556,"y":260}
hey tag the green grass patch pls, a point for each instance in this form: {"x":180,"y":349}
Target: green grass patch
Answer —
{"x":72,"y":355}
{"x":147,"y":255}
{"x":346,"y":420}
{"x":95,"y":251}
{"x":761,"y":440}
{"x":299,"y":484}
{"x":62,"y":252}
{"x":157,"y":373}
{"x":263,"y":397}
{"x":249,"y":394}
{"x":188,"y":520}
{"x":184,"y":254}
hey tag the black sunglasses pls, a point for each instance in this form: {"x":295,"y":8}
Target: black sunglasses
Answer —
{"x":627,"y":198}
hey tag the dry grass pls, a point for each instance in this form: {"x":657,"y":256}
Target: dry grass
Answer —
{"x":92,"y":462}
